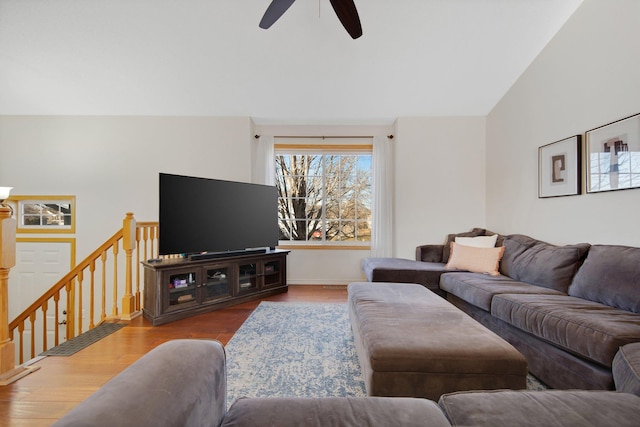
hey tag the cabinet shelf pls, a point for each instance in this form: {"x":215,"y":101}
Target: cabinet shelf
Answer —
{"x":178,"y":288}
{"x":182,"y":289}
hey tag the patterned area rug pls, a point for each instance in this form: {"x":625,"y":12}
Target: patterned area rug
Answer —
{"x":294,"y":349}
{"x":298,"y":349}
{"x":83,"y":340}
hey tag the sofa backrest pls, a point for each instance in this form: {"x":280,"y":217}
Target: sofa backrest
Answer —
{"x":179,"y":383}
{"x":610,"y":275}
{"x":539,"y":263}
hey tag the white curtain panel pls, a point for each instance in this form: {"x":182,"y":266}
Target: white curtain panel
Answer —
{"x":382,"y":203}
{"x":265,"y":170}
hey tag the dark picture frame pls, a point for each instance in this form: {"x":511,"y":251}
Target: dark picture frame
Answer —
{"x":560,"y":168}
{"x":613,"y":156}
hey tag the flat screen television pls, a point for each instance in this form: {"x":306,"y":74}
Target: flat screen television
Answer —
{"x":199,"y":215}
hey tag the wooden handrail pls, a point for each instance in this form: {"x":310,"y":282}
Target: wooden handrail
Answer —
{"x":81,"y":291}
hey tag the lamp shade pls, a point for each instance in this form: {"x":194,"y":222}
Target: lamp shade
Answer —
{"x":4,"y":193}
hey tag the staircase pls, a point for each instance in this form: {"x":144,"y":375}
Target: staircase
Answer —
{"x":105,"y":286}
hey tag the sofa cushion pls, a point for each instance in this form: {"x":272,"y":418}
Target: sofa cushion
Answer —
{"x":539,"y":263}
{"x":558,"y":408}
{"x":626,"y":369}
{"x":334,"y":411}
{"x":446,"y":250}
{"x":591,"y":330}
{"x":479,"y":289}
{"x":475,"y":259}
{"x":610,"y":275}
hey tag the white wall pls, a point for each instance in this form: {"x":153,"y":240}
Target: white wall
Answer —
{"x":325,"y":266}
{"x":440,"y":179}
{"x":111,"y":164}
{"x":587,"y":76}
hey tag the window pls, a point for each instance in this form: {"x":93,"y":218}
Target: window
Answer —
{"x":324,"y":193}
{"x":45,"y":214}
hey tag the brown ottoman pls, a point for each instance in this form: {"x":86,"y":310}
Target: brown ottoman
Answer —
{"x":411,"y":342}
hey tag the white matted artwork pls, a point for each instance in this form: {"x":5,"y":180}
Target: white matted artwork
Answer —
{"x":559,"y":171}
{"x":613,"y":156}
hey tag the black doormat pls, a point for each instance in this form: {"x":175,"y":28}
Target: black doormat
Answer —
{"x":83,"y":340}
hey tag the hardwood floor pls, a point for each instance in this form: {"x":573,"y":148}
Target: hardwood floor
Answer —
{"x":41,"y":398}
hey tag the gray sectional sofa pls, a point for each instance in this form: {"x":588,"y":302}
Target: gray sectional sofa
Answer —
{"x":567,"y":309}
{"x":183,"y":383}
{"x":573,"y":312}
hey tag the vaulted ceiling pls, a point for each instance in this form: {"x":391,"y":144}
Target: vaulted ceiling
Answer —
{"x":208,"y":57}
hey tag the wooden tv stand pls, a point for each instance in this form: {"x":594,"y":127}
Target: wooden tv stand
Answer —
{"x":178,"y":288}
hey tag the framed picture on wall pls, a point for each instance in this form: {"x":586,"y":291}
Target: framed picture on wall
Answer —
{"x":559,"y":168}
{"x":613,"y":156}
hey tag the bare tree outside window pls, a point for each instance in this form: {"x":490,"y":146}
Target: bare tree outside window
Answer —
{"x":324,"y":197}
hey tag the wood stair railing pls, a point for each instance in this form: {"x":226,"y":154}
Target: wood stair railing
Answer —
{"x":92,"y":285}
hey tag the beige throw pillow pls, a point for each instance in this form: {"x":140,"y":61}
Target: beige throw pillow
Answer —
{"x":475,"y":260}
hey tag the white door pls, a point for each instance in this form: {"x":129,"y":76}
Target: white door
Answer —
{"x":39,"y":265}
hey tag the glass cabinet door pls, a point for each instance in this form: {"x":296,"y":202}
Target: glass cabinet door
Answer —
{"x":216,"y":285}
{"x":247,"y":277}
{"x":272,"y":273}
{"x":182,"y":287}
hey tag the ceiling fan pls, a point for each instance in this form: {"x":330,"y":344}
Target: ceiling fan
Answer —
{"x":345,"y":9}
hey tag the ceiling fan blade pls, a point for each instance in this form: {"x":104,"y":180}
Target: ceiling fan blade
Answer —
{"x":348,"y":15}
{"x":275,"y":10}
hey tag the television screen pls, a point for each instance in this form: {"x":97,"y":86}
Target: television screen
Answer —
{"x":210,"y":215}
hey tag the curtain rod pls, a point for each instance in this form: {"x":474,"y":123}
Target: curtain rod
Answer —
{"x":256,"y":136}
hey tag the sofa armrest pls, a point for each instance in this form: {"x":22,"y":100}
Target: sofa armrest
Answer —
{"x":179,"y":383}
{"x":429,"y":253}
{"x":626,"y":369}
